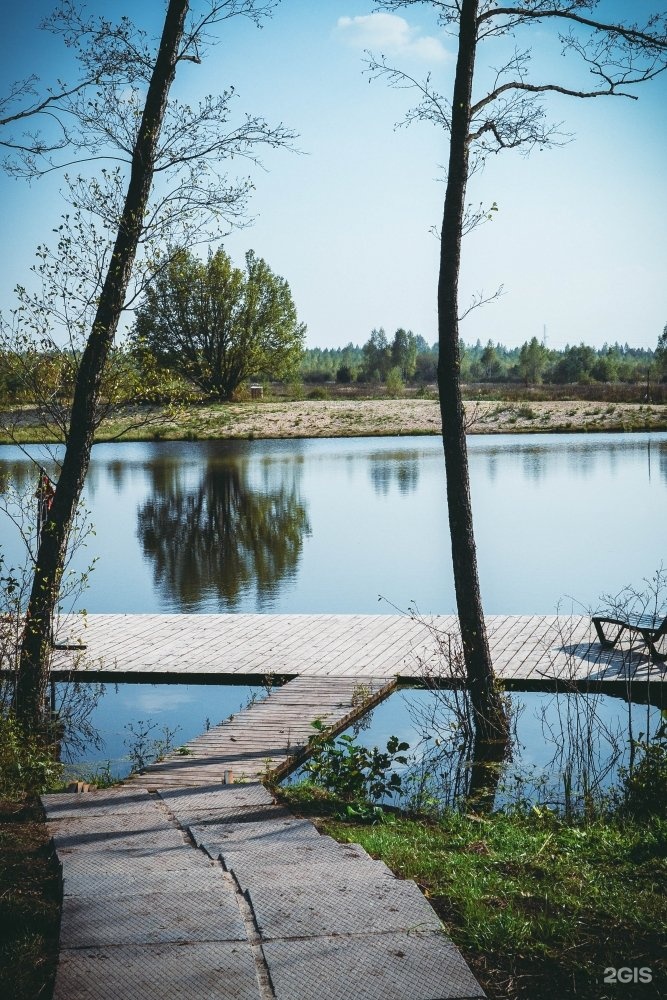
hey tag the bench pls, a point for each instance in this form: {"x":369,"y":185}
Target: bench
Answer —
{"x":649,"y":627}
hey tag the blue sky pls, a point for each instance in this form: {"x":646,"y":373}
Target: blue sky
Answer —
{"x":580,"y":239}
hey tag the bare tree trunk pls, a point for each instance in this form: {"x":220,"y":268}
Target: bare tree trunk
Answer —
{"x":34,"y":660}
{"x":487,"y":703}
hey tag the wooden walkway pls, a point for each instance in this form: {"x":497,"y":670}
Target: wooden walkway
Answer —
{"x":526,"y":649}
{"x":269,"y":735}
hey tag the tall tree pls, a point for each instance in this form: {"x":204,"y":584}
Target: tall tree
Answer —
{"x":377,"y":356}
{"x":404,"y":352}
{"x":533,"y":359}
{"x":509,"y":115}
{"x":160,"y":136}
{"x":661,"y":354}
{"x":219,"y":325}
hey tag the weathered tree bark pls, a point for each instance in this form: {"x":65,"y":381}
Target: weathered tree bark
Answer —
{"x":34,"y":657}
{"x":486,"y":700}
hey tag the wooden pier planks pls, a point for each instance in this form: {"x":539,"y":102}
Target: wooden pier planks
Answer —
{"x":269,"y":734}
{"x":531,"y":648}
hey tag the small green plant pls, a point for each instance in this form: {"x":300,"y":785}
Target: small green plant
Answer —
{"x":351,"y":771}
{"x":99,"y":776}
{"x":361,"y":694}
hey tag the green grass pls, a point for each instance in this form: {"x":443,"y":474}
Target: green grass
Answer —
{"x":540,"y":907}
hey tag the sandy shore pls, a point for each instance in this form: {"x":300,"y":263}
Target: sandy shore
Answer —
{"x":355,"y":418}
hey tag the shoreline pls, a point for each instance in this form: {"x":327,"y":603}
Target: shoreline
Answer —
{"x":300,"y":419}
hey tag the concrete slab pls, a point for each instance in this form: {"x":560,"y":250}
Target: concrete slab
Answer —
{"x":334,"y":873}
{"x":271,"y":834}
{"x":109,"y":825}
{"x":356,"y":908}
{"x":220,"y":971}
{"x":302,"y":853}
{"x":67,"y":839}
{"x":123,"y":801}
{"x":134,"y":881}
{"x":237,"y":814}
{"x":393,"y":966}
{"x":216,"y":796}
{"x":91,"y":864}
{"x":154,"y":918}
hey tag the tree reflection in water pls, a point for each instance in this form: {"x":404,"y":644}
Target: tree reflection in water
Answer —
{"x":223,"y":536}
{"x":400,"y":468}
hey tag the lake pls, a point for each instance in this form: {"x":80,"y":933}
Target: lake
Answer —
{"x":360,"y":525}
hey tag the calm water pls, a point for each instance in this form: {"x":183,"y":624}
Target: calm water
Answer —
{"x":332,"y":525}
{"x":586,"y":736}
{"x":551,"y":733}
{"x":119,"y":711}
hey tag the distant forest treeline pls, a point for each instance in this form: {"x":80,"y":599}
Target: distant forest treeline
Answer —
{"x":135,"y":374}
{"x":409,"y":358}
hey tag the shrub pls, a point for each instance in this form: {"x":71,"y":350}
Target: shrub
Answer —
{"x":241,"y":393}
{"x":26,"y":763}
{"x":645,"y":785}
{"x":394,"y":383}
{"x":351,"y":771}
{"x":319,"y":393}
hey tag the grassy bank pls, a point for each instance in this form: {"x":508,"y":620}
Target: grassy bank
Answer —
{"x":540,"y":907}
{"x":348,"y":418}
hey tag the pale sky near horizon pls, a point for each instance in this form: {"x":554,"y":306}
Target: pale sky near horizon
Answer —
{"x":579,"y":241}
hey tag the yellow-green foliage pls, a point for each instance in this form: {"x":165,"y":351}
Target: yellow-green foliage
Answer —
{"x":26,"y":763}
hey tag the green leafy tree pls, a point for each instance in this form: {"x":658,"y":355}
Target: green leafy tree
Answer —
{"x":377,"y":356}
{"x":490,"y":361}
{"x":661,"y":354}
{"x":533,"y":359}
{"x":404,"y":352}
{"x":575,"y":365}
{"x":394,"y":382}
{"x":219,"y":325}
{"x":605,"y":368}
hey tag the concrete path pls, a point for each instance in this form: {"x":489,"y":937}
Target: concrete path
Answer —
{"x":215,"y":892}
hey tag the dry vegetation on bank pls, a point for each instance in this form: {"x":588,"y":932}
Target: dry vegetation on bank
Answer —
{"x":350,"y":418}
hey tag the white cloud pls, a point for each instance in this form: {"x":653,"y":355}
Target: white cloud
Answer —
{"x":391,"y":35}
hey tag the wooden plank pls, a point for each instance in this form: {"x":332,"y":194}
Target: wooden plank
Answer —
{"x":242,"y":746}
{"x":190,"y":647}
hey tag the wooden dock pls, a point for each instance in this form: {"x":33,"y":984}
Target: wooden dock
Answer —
{"x":269,"y":735}
{"x":528,"y":650}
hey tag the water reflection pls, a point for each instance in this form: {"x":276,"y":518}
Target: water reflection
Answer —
{"x":566,"y":751}
{"x":389,"y":468}
{"x":662,"y":459}
{"x":221,"y":536}
{"x":583,"y":456}
{"x":545,"y":510}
